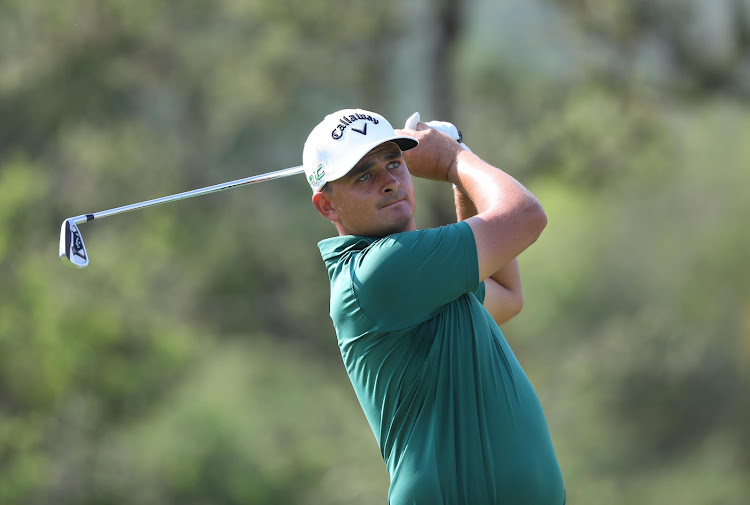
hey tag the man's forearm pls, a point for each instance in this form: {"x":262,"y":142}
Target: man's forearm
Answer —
{"x":465,"y":208}
{"x":509,"y":218}
{"x":487,"y":186}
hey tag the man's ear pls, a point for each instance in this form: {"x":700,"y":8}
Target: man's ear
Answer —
{"x":323,"y":204}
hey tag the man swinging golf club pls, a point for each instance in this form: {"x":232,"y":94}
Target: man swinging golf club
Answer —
{"x":416,"y":312}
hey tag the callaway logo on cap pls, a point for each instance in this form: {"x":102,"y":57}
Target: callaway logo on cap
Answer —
{"x":342,"y":139}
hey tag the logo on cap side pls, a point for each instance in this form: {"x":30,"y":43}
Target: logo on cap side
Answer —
{"x":316,"y":176}
{"x":347,"y":120}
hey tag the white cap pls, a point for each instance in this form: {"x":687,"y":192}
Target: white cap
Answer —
{"x":342,"y":139}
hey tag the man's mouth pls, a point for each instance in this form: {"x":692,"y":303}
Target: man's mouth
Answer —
{"x":392,"y":202}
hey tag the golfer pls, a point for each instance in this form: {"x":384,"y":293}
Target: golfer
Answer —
{"x":416,"y":312}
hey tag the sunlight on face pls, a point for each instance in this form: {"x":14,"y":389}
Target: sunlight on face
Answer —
{"x":376,"y":198}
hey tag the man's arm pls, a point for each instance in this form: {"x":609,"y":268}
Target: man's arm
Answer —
{"x":509,"y":218}
{"x":503,"y":297}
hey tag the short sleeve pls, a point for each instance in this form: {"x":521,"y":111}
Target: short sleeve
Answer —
{"x":406,"y":278}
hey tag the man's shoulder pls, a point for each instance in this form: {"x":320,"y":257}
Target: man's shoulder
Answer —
{"x":399,"y":255}
{"x":401,"y":279}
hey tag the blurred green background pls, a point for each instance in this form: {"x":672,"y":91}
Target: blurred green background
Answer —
{"x":193,"y":362}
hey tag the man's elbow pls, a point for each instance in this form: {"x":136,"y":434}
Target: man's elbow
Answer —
{"x":509,"y":308}
{"x":517,"y":304}
{"x":508,"y":311}
{"x":537,"y":218}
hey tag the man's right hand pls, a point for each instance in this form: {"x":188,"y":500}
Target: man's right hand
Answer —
{"x":436,"y":155}
{"x":443,"y":126}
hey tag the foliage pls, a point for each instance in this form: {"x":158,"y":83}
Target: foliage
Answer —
{"x":193,"y":361}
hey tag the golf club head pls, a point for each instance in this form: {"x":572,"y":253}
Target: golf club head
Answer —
{"x":71,"y":245}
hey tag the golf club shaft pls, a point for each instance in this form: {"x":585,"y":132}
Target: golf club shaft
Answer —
{"x":190,"y":194}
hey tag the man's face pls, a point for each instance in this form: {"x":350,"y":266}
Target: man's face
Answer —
{"x":375,"y":199}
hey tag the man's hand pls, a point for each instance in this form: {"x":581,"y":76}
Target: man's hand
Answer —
{"x":436,"y":155}
{"x":442,"y":126}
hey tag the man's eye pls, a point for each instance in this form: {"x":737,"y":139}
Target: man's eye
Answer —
{"x":363,"y":178}
{"x":394,"y":164}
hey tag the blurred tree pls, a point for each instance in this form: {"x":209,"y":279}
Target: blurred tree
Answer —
{"x":684,"y":47}
{"x":449,"y":23}
{"x":449,"y":27}
{"x":106,"y":103}
{"x":634,"y":323}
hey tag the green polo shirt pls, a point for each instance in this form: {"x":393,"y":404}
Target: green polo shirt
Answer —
{"x":455,"y":416}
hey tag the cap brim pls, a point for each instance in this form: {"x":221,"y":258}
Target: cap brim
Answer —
{"x":404,"y":142}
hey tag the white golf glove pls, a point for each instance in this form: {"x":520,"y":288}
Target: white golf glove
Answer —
{"x":441,"y":126}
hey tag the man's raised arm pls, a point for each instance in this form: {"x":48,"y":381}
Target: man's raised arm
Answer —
{"x":509,"y":218}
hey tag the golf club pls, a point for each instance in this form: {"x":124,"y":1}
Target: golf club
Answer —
{"x":73,"y":250}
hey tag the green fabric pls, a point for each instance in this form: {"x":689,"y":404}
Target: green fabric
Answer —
{"x":455,"y":416}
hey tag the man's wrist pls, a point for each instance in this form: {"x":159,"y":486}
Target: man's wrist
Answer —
{"x":461,"y":157}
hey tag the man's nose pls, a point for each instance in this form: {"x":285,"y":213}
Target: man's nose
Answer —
{"x":389,"y":182}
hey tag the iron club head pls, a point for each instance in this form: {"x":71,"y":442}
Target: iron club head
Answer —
{"x":71,"y":245}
